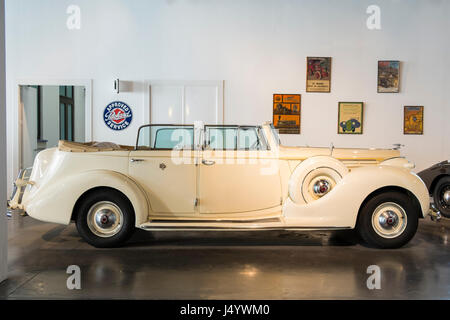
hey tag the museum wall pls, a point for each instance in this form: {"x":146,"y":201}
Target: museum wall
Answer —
{"x":3,"y":227}
{"x":258,"y":48}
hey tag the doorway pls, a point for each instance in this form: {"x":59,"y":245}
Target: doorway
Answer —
{"x":49,"y":113}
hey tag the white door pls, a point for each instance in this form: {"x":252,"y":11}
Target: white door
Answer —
{"x":185,"y":102}
{"x":237,"y":172}
{"x":29,"y":107}
{"x":167,"y":174}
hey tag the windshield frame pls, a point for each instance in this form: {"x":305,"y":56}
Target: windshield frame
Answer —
{"x":163,"y":125}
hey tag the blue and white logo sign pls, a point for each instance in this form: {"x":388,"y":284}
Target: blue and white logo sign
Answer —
{"x":117,"y":115}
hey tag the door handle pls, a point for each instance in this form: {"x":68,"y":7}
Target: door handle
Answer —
{"x":208,"y":162}
{"x":137,"y":160}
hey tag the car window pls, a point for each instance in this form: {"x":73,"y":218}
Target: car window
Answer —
{"x":157,"y":137}
{"x":234,"y":138}
{"x":221,"y":138}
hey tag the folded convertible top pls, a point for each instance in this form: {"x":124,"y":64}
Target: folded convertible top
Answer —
{"x":69,"y":146}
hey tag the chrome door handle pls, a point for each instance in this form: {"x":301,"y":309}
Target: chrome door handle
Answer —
{"x":208,"y":162}
{"x":137,"y":160}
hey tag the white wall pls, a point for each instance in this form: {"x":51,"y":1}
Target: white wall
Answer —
{"x":258,"y":47}
{"x":3,"y":229}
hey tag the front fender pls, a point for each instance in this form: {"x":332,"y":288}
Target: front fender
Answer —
{"x":340,"y":207}
{"x":54,"y":201}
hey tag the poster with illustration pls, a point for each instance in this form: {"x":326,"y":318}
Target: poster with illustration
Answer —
{"x":413,"y":120}
{"x":350,"y":118}
{"x":388,"y":76}
{"x":318,"y":74}
{"x":286,"y":113}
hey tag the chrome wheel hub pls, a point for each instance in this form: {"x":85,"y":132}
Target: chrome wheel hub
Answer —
{"x":321,"y":187}
{"x":105,"y":219}
{"x":446,"y":197}
{"x":389,"y":220}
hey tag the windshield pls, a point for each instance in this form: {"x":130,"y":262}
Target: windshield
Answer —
{"x":217,"y":137}
{"x":165,"y":137}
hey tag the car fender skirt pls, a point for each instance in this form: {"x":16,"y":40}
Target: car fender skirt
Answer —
{"x":54,"y":202}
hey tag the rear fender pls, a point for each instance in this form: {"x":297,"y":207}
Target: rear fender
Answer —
{"x":55,"y":200}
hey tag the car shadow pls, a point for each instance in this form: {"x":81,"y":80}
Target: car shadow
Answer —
{"x":243,"y":238}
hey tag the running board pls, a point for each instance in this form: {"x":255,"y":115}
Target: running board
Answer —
{"x":229,"y":226}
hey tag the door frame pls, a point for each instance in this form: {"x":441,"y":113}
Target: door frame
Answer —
{"x":147,"y":103}
{"x":14,"y":116}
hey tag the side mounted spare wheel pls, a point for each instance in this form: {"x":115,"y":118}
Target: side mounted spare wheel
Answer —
{"x":314,"y":178}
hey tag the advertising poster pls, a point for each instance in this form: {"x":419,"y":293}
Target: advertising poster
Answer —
{"x":388,"y":76}
{"x":413,"y":120}
{"x":350,"y":118}
{"x":318,"y":74}
{"x":286,"y":113}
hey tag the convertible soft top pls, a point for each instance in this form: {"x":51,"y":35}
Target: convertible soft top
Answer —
{"x":69,"y":146}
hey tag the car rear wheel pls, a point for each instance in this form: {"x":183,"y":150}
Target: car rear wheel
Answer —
{"x":105,"y":218}
{"x":441,"y":196}
{"x":388,"y":220}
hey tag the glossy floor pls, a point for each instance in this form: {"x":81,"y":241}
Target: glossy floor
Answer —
{"x":224,"y":265}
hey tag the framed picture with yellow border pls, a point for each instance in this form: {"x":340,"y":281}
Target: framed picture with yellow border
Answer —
{"x":318,"y":74}
{"x":350,"y":117}
{"x":413,"y":120}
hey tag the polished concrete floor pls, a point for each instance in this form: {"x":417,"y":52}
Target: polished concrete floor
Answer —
{"x":224,"y":265}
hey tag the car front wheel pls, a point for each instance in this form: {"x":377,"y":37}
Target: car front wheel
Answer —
{"x":441,"y":196}
{"x":105,"y":218}
{"x":388,"y":220}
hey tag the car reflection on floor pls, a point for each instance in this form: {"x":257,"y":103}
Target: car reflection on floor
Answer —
{"x":224,"y":265}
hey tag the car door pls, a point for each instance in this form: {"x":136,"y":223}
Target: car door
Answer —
{"x":164,"y":165}
{"x":238,"y":173}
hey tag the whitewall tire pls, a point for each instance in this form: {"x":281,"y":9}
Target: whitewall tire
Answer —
{"x":388,"y":220}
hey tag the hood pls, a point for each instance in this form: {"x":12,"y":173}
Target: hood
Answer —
{"x":343,"y":154}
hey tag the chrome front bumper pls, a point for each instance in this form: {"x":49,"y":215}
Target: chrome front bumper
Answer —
{"x":434,"y":213}
{"x":15,"y":202}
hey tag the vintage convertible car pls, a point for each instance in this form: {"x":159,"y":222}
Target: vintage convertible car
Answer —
{"x":222,"y":177}
{"x":437,"y":180}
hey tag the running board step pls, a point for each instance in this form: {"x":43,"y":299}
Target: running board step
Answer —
{"x":227,"y":226}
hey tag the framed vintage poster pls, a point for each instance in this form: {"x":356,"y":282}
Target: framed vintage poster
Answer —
{"x":413,"y":120}
{"x":318,"y":74}
{"x":388,"y":76}
{"x":286,"y":113}
{"x":350,"y":118}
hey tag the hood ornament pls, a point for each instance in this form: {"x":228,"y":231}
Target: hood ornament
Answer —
{"x":397,"y":146}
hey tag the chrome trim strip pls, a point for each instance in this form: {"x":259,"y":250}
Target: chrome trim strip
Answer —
{"x":241,"y":228}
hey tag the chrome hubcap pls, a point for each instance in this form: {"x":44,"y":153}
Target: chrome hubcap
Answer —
{"x":321,"y":187}
{"x":389,"y":220}
{"x":105,"y":219}
{"x":446,"y":197}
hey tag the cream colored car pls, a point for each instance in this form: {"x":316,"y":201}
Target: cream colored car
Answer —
{"x":196,"y":177}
